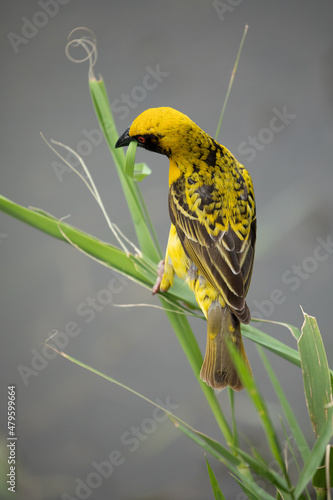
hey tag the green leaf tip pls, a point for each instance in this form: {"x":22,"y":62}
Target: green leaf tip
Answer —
{"x":218,"y":495}
{"x":141,"y":171}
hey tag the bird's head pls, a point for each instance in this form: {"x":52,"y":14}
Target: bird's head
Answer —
{"x":163,"y":130}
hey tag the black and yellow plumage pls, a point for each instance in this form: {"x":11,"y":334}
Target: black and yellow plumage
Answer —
{"x":213,"y":231}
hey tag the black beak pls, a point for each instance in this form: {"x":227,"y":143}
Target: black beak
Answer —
{"x":124,"y":139}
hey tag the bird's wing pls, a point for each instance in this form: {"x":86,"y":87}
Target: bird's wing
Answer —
{"x":225,"y":260}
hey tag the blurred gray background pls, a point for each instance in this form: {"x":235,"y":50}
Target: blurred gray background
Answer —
{"x":69,"y":418}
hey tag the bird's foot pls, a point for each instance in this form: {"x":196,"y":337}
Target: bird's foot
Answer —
{"x":160,"y":272}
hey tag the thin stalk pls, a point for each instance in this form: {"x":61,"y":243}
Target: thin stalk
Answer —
{"x":148,"y":220}
{"x":233,"y":416}
{"x":230,"y":83}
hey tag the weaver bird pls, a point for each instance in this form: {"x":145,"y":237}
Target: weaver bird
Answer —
{"x":213,"y":230}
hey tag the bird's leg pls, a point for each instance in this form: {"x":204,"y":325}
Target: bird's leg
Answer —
{"x":160,"y":272}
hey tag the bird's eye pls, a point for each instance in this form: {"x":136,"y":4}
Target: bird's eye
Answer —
{"x":141,"y":139}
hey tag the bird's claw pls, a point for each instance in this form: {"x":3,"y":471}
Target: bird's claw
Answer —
{"x":160,"y":272}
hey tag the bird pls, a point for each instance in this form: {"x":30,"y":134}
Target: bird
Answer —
{"x":212,"y":237}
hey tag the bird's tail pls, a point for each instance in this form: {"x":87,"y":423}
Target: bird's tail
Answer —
{"x":218,"y":369}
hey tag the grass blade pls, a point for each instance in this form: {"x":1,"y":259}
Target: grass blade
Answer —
{"x":318,"y":394}
{"x":142,"y":170}
{"x":271,"y":344}
{"x":259,"y":466}
{"x":292,"y":421}
{"x":274,"y":345}
{"x":108,"y":254}
{"x":260,"y":406}
{"x":231,"y":394}
{"x":148,"y":220}
{"x":295,"y":331}
{"x":253,"y":490}
{"x":316,"y":374}
{"x":218,"y":495}
{"x":141,"y":270}
{"x":323,"y":478}
{"x":316,"y":456}
{"x":135,"y":171}
{"x":208,"y":444}
{"x":130,"y":159}
{"x":104,"y":115}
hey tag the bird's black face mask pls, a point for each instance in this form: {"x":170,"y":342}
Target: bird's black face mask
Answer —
{"x":147,"y":141}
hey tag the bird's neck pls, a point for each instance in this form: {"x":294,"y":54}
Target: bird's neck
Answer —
{"x":208,"y":158}
{"x":174,"y":171}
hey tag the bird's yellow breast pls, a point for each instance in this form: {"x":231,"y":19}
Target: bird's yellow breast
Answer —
{"x":174,"y":172}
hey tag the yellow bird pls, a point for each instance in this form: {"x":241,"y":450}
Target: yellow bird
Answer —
{"x":213,"y":230}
